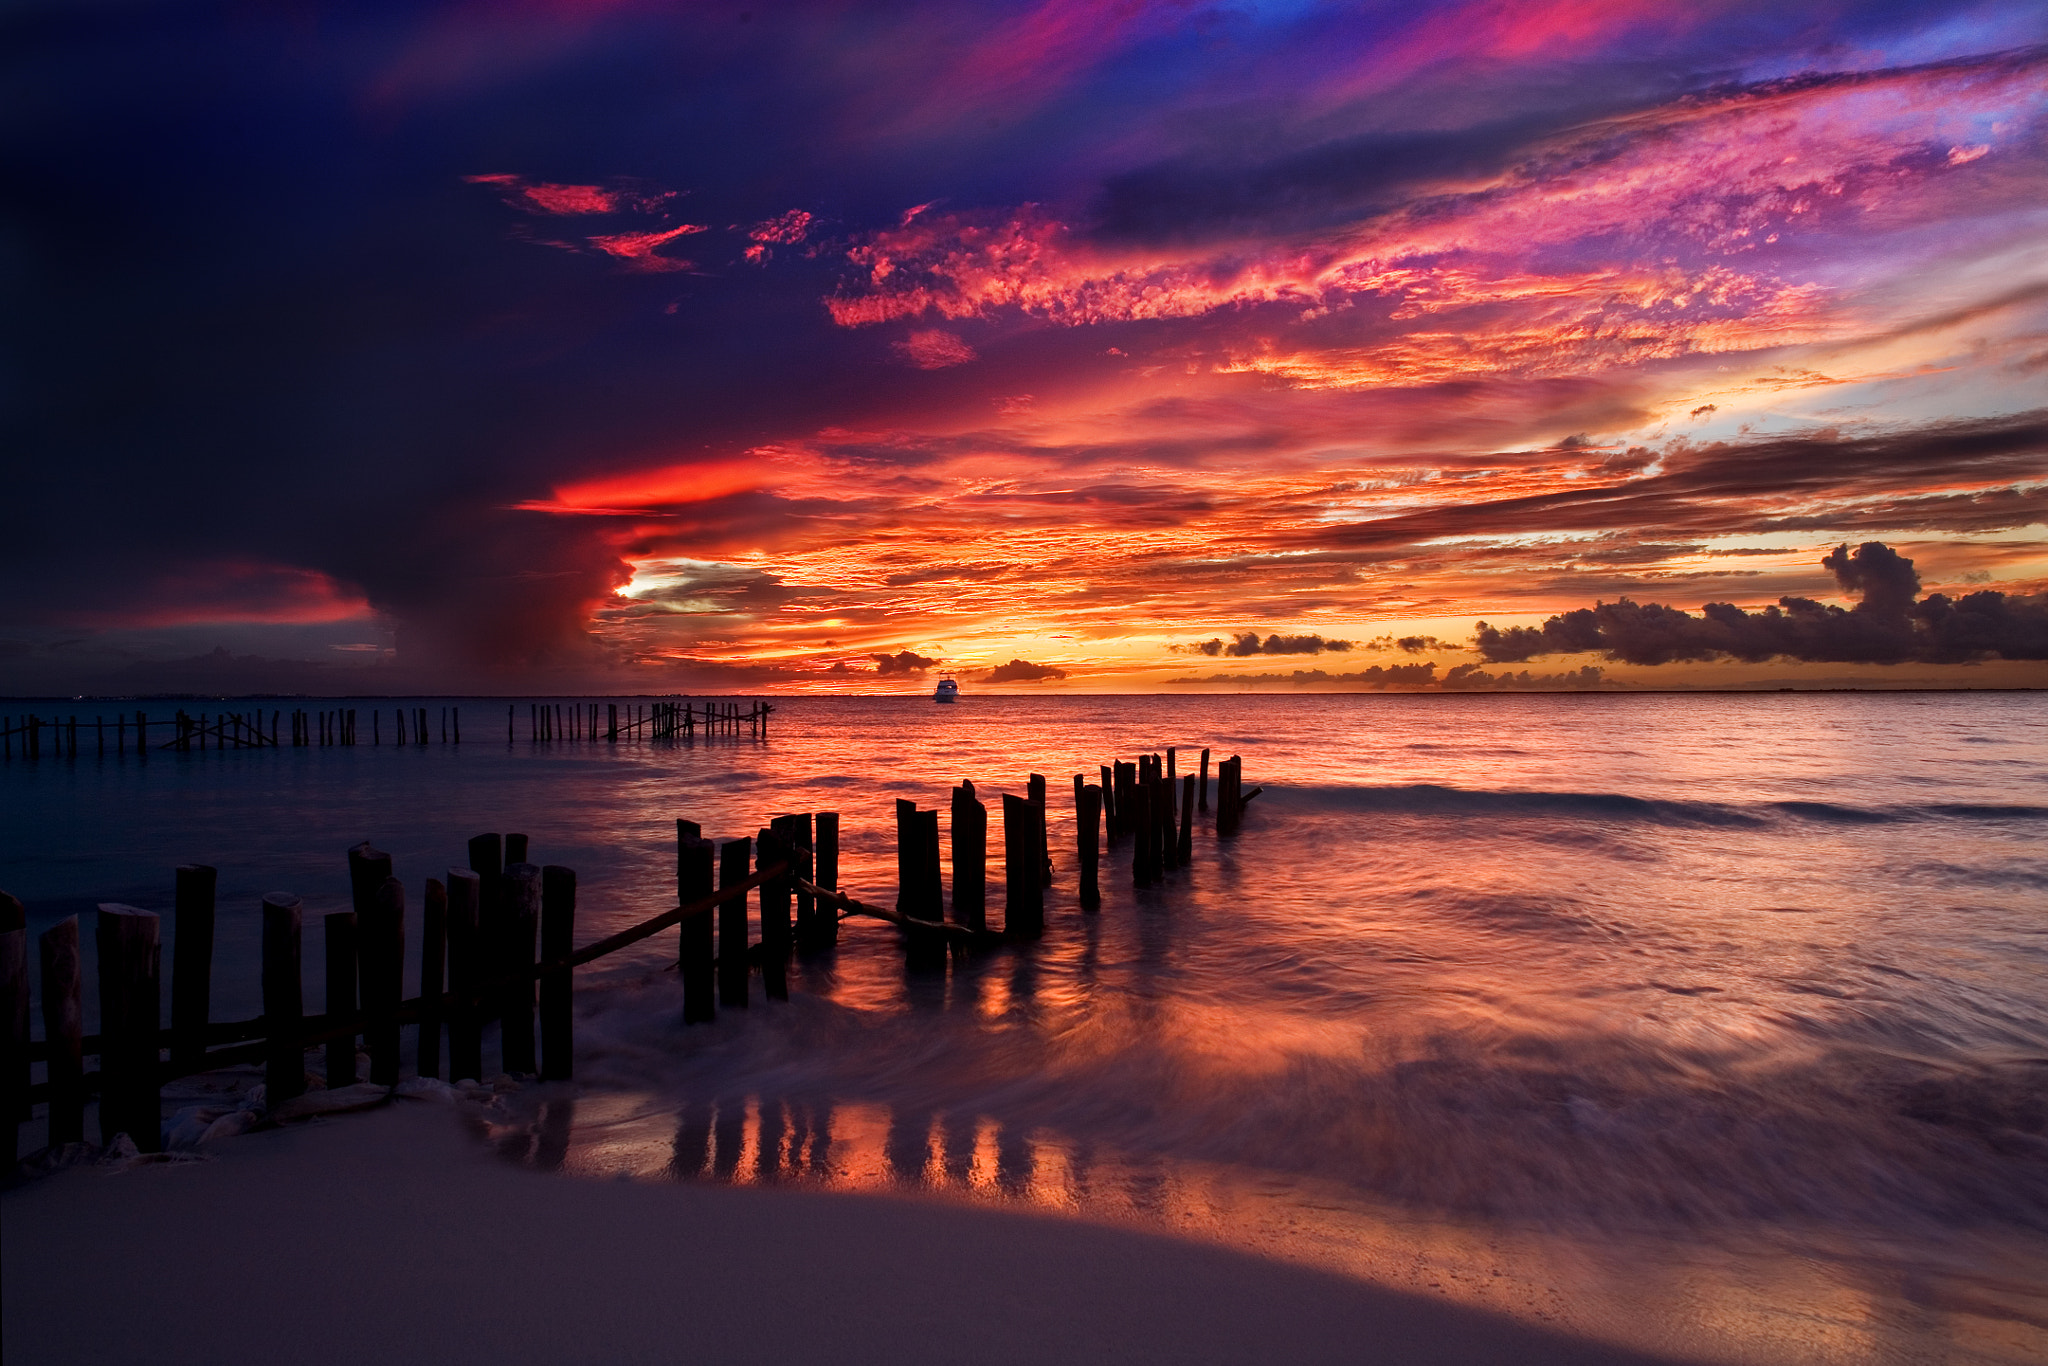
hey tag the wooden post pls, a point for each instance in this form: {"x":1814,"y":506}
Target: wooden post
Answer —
{"x":1138,"y":811}
{"x":1108,"y":804}
{"x":433,"y":975}
{"x":284,"y":1000}
{"x":465,"y":975}
{"x":557,"y":942}
{"x":926,"y":948}
{"x":382,"y":948}
{"x":970,"y":858}
{"x":1087,"y":835}
{"x":1168,"y":791}
{"x":1023,"y":859}
{"x":14,"y":1103}
{"x":130,"y":947}
{"x":191,"y":963}
{"x":1205,"y":780}
{"x":1186,"y":852}
{"x":343,"y":954}
{"x":696,"y":940}
{"x":733,"y":858}
{"x":515,"y":850}
{"x":907,"y":835}
{"x":522,"y":928}
{"x":64,"y":1028}
{"x":771,"y":849}
{"x":796,"y":834}
{"x":1037,"y":792}
{"x":487,"y":860}
{"x":827,"y":847}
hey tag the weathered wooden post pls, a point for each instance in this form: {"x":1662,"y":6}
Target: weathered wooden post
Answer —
{"x":1108,"y":783}
{"x":487,"y":860}
{"x":1137,"y":808}
{"x":1023,"y":861}
{"x":696,"y":946}
{"x":344,"y":953}
{"x":64,"y":1029}
{"x":1087,"y":836}
{"x":433,"y":973}
{"x":1205,"y":780}
{"x":515,"y":849}
{"x":733,"y":858}
{"x":130,"y":947}
{"x":908,"y":836}
{"x":465,"y":975}
{"x":796,"y":834}
{"x":828,"y":873}
{"x":191,"y":963}
{"x":382,"y":946}
{"x":925,"y":898}
{"x":14,"y":1103}
{"x":770,"y":850}
{"x":1229,"y":789}
{"x":970,"y":858}
{"x":522,"y":930}
{"x":1036,"y":789}
{"x":1169,"y":845}
{"x":557,"y":942}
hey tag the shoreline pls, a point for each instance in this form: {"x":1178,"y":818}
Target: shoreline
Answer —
{"x":397,"y":1235}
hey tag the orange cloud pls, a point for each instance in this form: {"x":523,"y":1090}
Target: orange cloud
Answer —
{"x":668,"y":486}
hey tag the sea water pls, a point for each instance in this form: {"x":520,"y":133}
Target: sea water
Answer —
{"x":1716,"y":1024}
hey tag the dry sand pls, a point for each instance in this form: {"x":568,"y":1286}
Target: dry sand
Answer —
{"x":396,"y":1237}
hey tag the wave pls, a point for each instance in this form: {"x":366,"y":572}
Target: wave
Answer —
{"x":1437,"y":800}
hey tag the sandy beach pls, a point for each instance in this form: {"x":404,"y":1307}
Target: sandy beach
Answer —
{"x":396,"y":1236}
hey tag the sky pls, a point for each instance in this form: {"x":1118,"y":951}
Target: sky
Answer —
{"x":636,"y":346}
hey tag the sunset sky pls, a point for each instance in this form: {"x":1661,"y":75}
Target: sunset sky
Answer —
{"x":615,"y":345}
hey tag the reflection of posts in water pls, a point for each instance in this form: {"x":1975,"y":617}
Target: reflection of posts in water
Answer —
{"x":692,"y":1147}
{"x":818,"y":1139}
{"x":768,"y":1152}
{"x":557,"y":1119}
{"x":728,"y":1135}
{"x":1013,"y":1159}
{"x":908,"y":1147}
{"x":956,"y":1147}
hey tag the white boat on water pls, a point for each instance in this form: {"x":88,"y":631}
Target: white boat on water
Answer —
{"x":947,"y":691}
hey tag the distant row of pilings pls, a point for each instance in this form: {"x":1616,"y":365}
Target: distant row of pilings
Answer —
{"x":35,"y":737}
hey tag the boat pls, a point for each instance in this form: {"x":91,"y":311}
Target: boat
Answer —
{"x":947,"y":691}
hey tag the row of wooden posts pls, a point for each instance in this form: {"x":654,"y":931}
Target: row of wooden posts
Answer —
{"x":580,"y":721}
{"x":493,"y":932}
{"x":31,"y":737}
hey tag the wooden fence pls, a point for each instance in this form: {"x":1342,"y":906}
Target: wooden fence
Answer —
{"x":494,"y":932}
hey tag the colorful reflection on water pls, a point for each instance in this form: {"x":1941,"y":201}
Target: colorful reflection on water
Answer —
{"x":1717,"y":1024}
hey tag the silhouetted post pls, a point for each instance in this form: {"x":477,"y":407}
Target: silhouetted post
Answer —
{"x":925,"y":949}
{"x":1036,"y":790}
{"x":696,"y":940}
{"x":284,"y":1000}
{"x":64,"y":1028}
{"x":970,"y":858}
{"x":515,"y":849}
{"x":557,"y":942}
{"x":465,"y":975}
{"x":734,"y":856}
{"x":771,"y":850}
{"x":343,"y":955}
{"x":802,"y":855}
{"x":1108,"y":782}
{"x":487,"y":860}
{"x":907,"y":835}
{"x":14,"y":1104}
{"x":1187,"y":821}
{"x":381,"y":945}
{"x":130,"y":947}
{"x":1023,"y":859}
{"x":827,"y":846}
{"x":1205,"y":780}
{"x":1087,"y":836}
{"x":1139,"y":812}
{"x":433,"y":971}
{"x":1167,"y":790}
{"x":191,"y":963}
{"x":522,"y":928}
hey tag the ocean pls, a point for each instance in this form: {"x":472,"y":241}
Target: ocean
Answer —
{"x":1714,"y":1024}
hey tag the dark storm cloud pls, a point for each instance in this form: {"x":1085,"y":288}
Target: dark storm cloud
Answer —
{"x":1022,"y":671}
{"x":1248,"y":643}
{"x":902,"y":662}
{"x":1887,"y":626}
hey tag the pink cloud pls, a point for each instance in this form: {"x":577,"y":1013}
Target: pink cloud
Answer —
{"x":641,"y":250}
{"x":239,"y":591}
{"x":931,"y":349}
